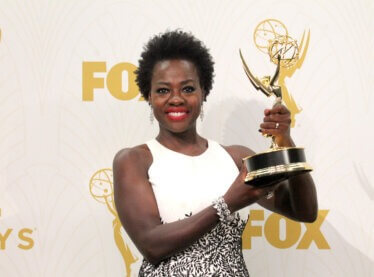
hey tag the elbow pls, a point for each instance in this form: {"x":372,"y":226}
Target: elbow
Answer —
{"x":308,"y":213}
{"x":152,"y":251}
{"x":309,"y":216}
{"x":313,"y":214}
{"x":152,"y":255}
{"x":304,"y":217}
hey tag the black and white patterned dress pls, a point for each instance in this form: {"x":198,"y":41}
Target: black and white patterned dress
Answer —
{"x":184,"y":185}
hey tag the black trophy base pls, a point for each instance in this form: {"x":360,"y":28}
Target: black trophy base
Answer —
{"x":274,"y":166}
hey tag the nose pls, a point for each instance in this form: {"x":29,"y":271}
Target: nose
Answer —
{"x":176,"y":98}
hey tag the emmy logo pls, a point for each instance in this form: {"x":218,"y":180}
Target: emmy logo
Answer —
{"x":271,"y":37}
{"x":101,"y":189}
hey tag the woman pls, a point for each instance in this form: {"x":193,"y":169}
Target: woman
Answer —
{"x":180,"y":197}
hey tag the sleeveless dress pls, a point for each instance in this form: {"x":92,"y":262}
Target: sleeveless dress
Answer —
{"x":184,"y":185}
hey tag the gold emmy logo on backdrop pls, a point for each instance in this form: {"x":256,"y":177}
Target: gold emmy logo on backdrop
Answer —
{"x":101,"y":189}
{"x":271,"y":37}
{"x":278,"y":163}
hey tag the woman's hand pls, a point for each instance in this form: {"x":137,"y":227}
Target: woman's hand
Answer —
{"x":295,"y":198}
{"x":277,"y":123}
{"x":240,"y":195}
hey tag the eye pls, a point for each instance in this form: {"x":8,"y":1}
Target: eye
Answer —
{"x":162,"y":90}
{"x":188,"y":89}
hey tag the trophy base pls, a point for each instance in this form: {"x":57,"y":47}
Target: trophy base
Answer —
{"x":275,"y":165}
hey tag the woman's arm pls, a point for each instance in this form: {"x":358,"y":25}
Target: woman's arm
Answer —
{"x":137,"y":208}
{"x":295,"y":198}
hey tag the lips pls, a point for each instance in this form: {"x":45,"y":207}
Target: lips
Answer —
{"x":176,"y":113}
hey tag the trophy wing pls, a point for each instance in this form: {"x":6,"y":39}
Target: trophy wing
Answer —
{"x":303,"y":49}
{"x":255,"y":82}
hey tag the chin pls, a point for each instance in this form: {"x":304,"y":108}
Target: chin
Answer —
{"x":177,"y":127}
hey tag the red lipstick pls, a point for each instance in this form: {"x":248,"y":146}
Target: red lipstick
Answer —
{"x":176,"y":113}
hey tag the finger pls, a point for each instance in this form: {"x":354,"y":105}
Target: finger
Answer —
{"x":273,"y":126}
{"x":279,"y":109}
{"x":277,"y":118}
{"x":243,"y":173}
{"x":243,"y":169}
{"x":267,"y":112}
{"x":271,"y":132}
{"x":272,"y":129}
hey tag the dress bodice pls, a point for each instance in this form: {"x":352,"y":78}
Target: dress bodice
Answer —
{"x":184,"y":185}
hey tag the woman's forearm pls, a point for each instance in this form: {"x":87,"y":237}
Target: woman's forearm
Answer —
{"x":298,"y":196}
{"x":303,"y":197}
{"x":164,"y":240}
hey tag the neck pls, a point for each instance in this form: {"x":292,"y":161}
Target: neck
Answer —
{"x":188,"y":138}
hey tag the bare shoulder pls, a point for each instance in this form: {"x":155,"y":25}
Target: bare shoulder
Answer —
{"x":138,"y":158}
{"x":238,"y":153}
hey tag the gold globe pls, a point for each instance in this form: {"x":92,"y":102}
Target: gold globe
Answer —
{"x":101,"y":185}
{"x":285,"y":48}
{"x":266,"y":32}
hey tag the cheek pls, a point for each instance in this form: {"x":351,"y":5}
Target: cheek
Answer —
{"x":199,"y":98}
{"x":198,"y":106}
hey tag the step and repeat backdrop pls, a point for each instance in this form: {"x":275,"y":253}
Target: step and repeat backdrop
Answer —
{"x":68,"y":103}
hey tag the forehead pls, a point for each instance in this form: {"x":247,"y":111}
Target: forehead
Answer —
{"x":174,"y":70}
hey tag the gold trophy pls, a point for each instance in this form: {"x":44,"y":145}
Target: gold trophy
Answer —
{"x":277,"y":163}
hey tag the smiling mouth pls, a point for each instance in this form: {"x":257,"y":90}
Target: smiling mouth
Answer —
{"x":176,"y":116}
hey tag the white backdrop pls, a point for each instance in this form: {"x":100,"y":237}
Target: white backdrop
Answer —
{"x":52,"y":142}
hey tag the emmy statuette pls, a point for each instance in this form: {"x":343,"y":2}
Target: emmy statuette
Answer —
{"x":277,"y":163}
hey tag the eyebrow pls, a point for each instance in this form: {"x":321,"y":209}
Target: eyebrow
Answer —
{"x":183,"y":82}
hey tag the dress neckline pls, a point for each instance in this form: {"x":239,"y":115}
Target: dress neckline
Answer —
{"x":185,"y":155}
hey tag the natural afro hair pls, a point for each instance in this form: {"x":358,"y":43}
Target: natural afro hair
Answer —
{"x":174,"y":45}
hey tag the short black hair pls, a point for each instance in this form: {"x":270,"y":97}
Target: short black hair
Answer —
{"x":174,"y":45}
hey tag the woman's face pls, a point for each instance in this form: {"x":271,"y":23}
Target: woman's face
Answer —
{"x":176,"y":95}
